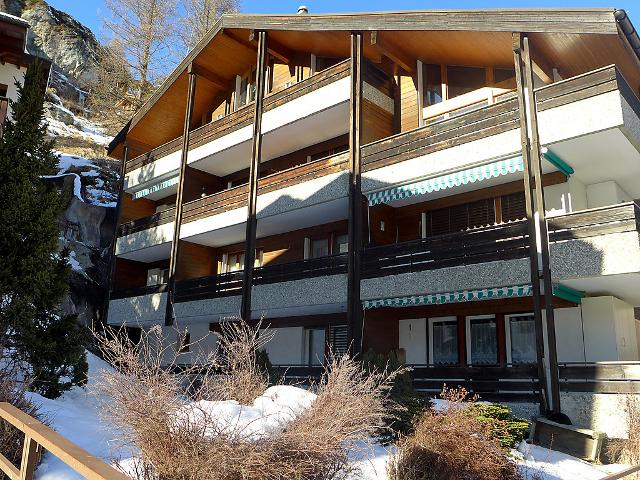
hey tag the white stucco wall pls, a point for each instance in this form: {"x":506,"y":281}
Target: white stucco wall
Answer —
{"x":566,"y":197}
{"x":145,"y":238}
{"x":609,"y":330}
{"x":9,"y":73}
{"x":413,"y":339}
{"x":606,"y":193}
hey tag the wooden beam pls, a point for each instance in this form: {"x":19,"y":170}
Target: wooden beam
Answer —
{"x":529,"y":206}
{"x":254,"y":173}
{"x":242,"y":43}
{"x":170,"y":314}
{"x":541,"y":67}
{"x":541,"y":224}
{"x":274,"y":48}
{"x":393,"y":53}
{"x":354,"y":305}
{"x":212,"y":77}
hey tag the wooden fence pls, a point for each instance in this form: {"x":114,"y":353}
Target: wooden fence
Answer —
{"x":37,"y":437}
{"x":609,"y":377}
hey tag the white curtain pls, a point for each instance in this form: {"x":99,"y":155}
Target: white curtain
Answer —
{"x":523,"y":339}
{"x":445,"y":342}
{"x":484,"y":341}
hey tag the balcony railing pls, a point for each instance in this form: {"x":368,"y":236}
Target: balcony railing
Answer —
{"x":487,"y":244}
{"x":213,"y":286}
{"x":138,"y":291}
{"x":243,"y":116}
{"x":160,"y":218}
{"x":465,"y":125}
{"x":314,"y":267}
{"x":237,"y":197}
{"x":604,"y":377}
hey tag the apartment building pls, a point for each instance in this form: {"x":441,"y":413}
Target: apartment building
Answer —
{"x":14,"y":60}
{"x":369,"y":181}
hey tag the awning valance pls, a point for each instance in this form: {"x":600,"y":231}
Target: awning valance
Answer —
{"x":450,"y":180}
{"x":155,"y":188}
{"x":494,"y":293}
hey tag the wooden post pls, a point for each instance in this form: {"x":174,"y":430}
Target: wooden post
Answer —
{"x":29,"y":458}
{"x":529,"y":207}
{"x":112,"y":258}
{"x":254,"y":173}
{"x":170,"y":315}
{"x":354,"y":305}
{"x":541,"y":228}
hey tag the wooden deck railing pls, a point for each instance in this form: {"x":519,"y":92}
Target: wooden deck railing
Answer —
{"x":237,"y":197}
{"x":138,"y":291}
{"x":623,"y":474}
{"x":160,"y":218}
{"x":605,"y":377}
{"x":38,"y":436}
{"x":311,"y":268}
{"x":213,"y":286}
{"x":467,"y":126}
{"x":243,"y":116}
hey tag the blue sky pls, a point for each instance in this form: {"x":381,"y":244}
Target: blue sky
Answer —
{"x":89,"y":12}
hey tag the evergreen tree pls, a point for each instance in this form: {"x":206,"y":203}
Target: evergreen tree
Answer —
{"x":33,"y":273}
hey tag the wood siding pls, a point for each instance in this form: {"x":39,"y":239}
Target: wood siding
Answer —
{"x":408,"y":102}
{"x":195,"y":261}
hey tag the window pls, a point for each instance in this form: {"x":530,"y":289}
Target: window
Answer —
{"x":338,"y":339}
{"x":460,"y":217}
{"x":234,"y":262}
{"x":314,"y":346}
{"x":157,"y":276}
{"x":319,"y":248}
{"x":443,"y":341}
{"x":432,"y":85}
{"x":341,"y":244}
{"x":513,"y":207}
{"x":521,"y":339}
{"x":461,"y":80}
{"x":482,"y":340}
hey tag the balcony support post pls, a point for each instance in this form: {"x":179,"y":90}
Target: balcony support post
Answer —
{"x":354,"y":305}
{"x":538,"y":234}
{"x":116,"y":228}
{"x":254,"y":173}
{"x":170,"y":315}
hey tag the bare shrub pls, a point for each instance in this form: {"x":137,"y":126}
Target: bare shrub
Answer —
{"x":451,"y":444}
{"x":628,"y":451}
{"x":168,"y":417}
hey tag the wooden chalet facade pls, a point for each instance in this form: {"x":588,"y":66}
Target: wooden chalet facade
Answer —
{"x":368,"y":181}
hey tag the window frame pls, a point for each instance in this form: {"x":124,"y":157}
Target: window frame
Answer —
{"x":467,"y":320}
{"x":430,"y":323}
{"x":507,"y":336}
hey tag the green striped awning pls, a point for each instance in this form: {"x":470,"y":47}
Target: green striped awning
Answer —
{"x":155,"y":188}
{"x":450,"y":180}
{"x":452,"y":297}
{"x":495,"y":293}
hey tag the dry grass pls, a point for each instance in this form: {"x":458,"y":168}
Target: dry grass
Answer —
{"x":450,"y":445}
{"x":179,"y":439}
{"x":628,"y":451}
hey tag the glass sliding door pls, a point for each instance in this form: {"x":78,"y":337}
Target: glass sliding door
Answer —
{"x":521,"y":339}
{"x":482,"y":340}
{"x":443,"y":341}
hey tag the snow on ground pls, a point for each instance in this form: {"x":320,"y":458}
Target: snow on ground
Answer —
{"x":81,"y":128}
{"x":75,"y":416}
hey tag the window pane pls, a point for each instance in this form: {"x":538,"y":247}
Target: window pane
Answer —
{"x":319,"y":248}
{"x":463,"y":80}
{"x":445,"y":342}
{"x":432,"y":85}
{"x":315,"y":346}
{"x":522,"y":330}
{"x":484,"y":343}
{"x":341,"y":244}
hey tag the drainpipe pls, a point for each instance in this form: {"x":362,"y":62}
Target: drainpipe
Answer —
{"x":628,"y":29}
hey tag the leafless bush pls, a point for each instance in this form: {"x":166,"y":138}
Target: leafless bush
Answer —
{"x":628,"y":451}
{"x":13,"y":391}
{"x":181,"y":438}
{"x":451,"y":444}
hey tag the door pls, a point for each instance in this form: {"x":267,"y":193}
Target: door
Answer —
{"x":413,"y":339}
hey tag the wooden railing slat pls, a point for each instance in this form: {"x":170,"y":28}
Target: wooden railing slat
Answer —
{"x":71,"y":454}
{"x":9,"y":469}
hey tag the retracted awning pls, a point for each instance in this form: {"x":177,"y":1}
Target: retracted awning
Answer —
{"x":463,"y":177}
{"x":155,"y":188}
{"x":450,"y":180}
{"x":495,"y":293}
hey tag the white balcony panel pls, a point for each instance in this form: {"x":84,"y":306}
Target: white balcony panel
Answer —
{"x":229,"y":228}
{"x":138,"y":311}
{"x":147,"y":245}
{"x":153,"y":172}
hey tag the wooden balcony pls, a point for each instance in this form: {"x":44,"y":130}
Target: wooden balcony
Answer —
{"x":237,"y":197}
{"x":157,"y":219}
{"x":493,"y":243}
{"x":213,"y":286}
{"x":138,"y":291}
{"x":469,"y":120}
{"x":243,"y":116}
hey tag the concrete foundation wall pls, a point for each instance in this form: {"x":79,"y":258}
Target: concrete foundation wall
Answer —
{"x":598,"y":411}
